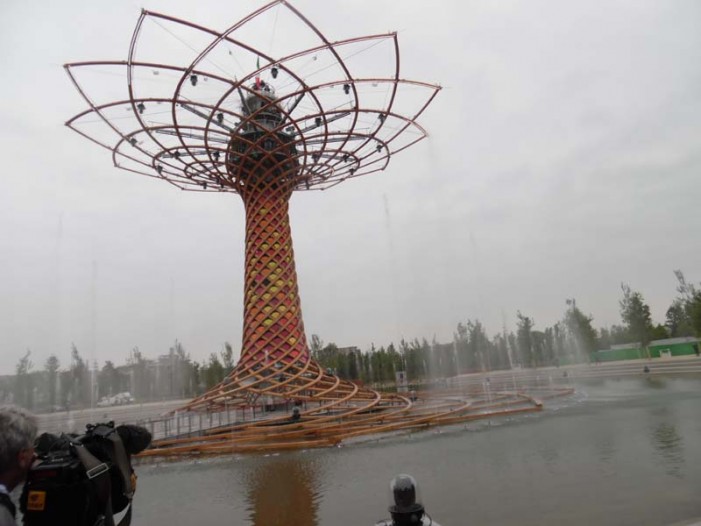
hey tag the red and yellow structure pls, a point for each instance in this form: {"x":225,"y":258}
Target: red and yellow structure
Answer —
{"x":209,"y":125}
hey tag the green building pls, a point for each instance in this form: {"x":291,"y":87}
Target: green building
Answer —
{"x":666,"y":348}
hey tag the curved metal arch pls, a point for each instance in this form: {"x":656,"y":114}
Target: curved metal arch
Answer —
{"x":241,"y":84}
{"x":218,"y":108}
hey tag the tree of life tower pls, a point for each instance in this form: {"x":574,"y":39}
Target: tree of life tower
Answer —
{"x":222,"y":111}
{"x":262,"y":158}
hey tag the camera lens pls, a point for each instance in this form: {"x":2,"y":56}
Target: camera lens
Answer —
{"x":404,"y":491}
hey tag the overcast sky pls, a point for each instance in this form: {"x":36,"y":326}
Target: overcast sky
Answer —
{"x":563,"y":160}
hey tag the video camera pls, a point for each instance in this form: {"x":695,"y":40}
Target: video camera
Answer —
{"x":83,"y":480}
{"x":406,"y":509}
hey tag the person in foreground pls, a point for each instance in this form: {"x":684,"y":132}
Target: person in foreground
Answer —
{"x":18,"y":429}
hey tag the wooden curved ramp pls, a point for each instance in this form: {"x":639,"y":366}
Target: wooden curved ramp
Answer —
{"x":332,"y":411}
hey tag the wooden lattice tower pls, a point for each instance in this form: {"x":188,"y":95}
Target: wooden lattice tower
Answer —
{"x":308,"y":118}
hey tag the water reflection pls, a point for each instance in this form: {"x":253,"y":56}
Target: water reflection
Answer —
{"x":284,"y":491}
{"x":655,"y":382}
{"x":605,"y":447}
{"x":626,"y":453}
{"x":550,"y":454}
{"x":667,"y":442}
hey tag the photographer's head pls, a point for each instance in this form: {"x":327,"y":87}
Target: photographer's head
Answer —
{"x":18,"y":429}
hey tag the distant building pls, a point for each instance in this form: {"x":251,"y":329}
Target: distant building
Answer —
{"x":674,"y":347}
{"x":686,"y":346}
{"x":348,"y":350}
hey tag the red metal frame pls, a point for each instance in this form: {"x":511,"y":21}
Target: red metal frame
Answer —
{"x":341,"y":160}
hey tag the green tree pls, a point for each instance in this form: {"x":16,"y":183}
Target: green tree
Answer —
{"x":579,"y":327}
{"x":538,"y":343}
{"x":177,"y":381}
{"x":328,"y":356}
{"x":109,"y":380}
{"x":142,"y":384}
{"x":677,"y":320}
{"x":227,"y":356}
{"x":213,"y":371}
{"x":619,"y":334}
{"x":461,"y":341}
{"x":196,"y":383}
{"x":51,"y":367}
{"x":690,"y":302}
{"x":413,"y":359}
{"x":353,"y":370}
{"x":659,"y":332}
{"x":478,"y":346}
{"x":636,"y":317}
{"x":548,"y":346}
{"x":376,"y":365}
{"x":501,"y":352}
{"x":603,"y":340}
{"x":394,"y":362}
{"x":316,"y":344}
{"x":525,"y":339}
{"x":341,"y":364}
{"x":364,"y":363}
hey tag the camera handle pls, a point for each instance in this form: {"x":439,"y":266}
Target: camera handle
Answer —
{"x":98,"y":474}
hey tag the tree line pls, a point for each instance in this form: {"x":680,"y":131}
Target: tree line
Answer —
{"x":572,"y":339}
{"x":170,"y":376}
{"x":175,"y":374}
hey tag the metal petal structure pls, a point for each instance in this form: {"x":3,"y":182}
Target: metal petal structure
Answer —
{"x":220,"y":111}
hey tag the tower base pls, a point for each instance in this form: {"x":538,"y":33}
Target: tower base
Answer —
{"x":331,"y":410}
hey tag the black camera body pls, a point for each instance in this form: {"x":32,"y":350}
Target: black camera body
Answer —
{"x":58,"y":487}
{"x":83,"y":480}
